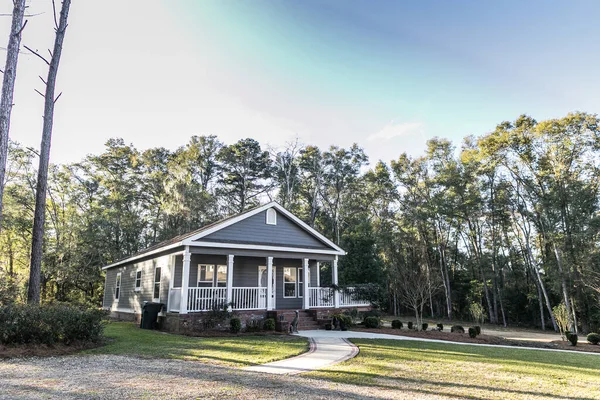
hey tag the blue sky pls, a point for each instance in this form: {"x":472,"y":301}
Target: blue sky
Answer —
{"x":387,"y":74}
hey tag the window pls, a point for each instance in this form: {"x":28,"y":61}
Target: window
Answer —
{"x":206,"y":274}
{"x":156,"y":294}
{"x":300,"y":282}
{"x":221,"y":275}
{"x":289,"y":282}
{"x":138,"y":280}
{"x":118,"y":287}
{"x":271,"y":217}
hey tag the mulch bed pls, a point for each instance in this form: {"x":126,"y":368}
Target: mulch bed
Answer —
{"x":43,"y":350}
{"x":582,"y":346}
{"x":223,"y":333}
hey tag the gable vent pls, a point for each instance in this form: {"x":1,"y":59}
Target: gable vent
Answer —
{"x":271,"y":217}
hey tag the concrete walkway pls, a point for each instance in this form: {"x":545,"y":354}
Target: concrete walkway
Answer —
{"x":324,"y":351}
{"x":320,"y":334}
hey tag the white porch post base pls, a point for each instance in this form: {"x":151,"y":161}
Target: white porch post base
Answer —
{"x":305,"y":282}
{"x":185,"y":281}
{"x":269,"y":283}
{"x":229,"y":281}
{"x":336,"y":294}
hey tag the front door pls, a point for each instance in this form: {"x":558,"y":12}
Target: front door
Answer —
{"x":262,"y":283}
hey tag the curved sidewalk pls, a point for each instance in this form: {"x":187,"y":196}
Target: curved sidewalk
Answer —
{"x":324,"y":351}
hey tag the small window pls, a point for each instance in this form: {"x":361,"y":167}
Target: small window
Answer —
{"x":289,"y":282}
{"x":138,"y":280}
{"x":271,"y":217}
{"x":157,"y":273}
{"x":221,"y":275}
{"x":118,"y":287}
{"x":206,"y":274}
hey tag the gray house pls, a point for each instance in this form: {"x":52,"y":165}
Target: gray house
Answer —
{"x":260,"y":261}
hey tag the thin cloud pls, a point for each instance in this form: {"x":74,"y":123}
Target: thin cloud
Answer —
{"x":393,"y":130}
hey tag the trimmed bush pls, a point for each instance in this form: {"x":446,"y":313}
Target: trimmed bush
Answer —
{"x":593,"y":338}
{"x":253,"y":325}
{"x":410,"y":325}
{"x":568,"y":335}
{"x":269,"y":324}
{"x":424,"y":326}
{"x":440,"y":327}
{"x":235,"y":325}
{"x":344,"y":321}
{"x":477,"y":329}
{"x":372,"y":322}
{"x":328,"y":326}
{"x":472,"y":333}
{"x":573,"y":338}
{"x":50,"y":324}
{"x":457,"y":329}
{"x":397,"y":324}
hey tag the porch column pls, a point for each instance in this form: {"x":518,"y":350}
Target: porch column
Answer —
{"x":318,"y":274}
{"x":185,"y":281}
{"x":305,"y":291}
{"x":269,"y":283}
{"x":229,"y":281}
{"x":336,"y":294}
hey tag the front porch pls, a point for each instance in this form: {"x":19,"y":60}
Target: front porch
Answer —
{"x":202,"y":282}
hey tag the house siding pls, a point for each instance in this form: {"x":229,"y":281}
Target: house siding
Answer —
{"x":255,"y":230}
{"x":131,"y":300}
{"x":289,"y":302}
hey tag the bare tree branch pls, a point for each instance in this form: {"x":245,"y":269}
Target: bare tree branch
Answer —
{"x":37,"y":54}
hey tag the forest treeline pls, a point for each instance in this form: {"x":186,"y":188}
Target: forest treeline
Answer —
{"x":505,"y":227}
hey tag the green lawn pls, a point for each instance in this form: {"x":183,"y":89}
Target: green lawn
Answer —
{"x":128,"y":339}
{"x":468,"y":371}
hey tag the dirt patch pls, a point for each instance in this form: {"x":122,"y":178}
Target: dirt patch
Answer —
{"x":484,"y":339}
{"x":44,"y":350}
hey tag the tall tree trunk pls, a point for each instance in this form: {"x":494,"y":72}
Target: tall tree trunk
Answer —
{"x":33,"y":290}
{"x":541,"y":303}
{"x":563,"y":284}
{"x":8,"y":86}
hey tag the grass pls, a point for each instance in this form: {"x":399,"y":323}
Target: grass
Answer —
{"x":464,"y":371}
{"x":128,"y":339}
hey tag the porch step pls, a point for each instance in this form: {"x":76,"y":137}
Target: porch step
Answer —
{"x":306,"y":320}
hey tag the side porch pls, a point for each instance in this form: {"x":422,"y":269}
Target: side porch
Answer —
{"x":204,"y":279}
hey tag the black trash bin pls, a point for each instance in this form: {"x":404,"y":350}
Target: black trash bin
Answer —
{"x":150,"y":312}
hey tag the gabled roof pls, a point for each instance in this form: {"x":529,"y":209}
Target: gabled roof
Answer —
{"x":194,"y":238}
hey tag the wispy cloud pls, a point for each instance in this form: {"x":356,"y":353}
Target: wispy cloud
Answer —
{"x":393,"y":130}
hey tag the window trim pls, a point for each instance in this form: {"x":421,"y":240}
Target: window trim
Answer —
{"x":295,"y":296}
{"x":155,"y":282}
{"x":273,"y":213}
{"x":135,"y":284}
{"x":300,"y":280}
{"x":118,"y":285}
{"x":212,"y":280}
{"x":216,"y":275}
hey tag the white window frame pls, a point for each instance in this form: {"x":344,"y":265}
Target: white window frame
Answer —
{"x":295,"y":275}
{"x":271,"y":217}
{"x":136,"y":287}
{"x":206,"y":266}
{"x":155,"y":282}
{"x":216,"y":275}
{"x":118,"y":285}
{"x":300,"y":280}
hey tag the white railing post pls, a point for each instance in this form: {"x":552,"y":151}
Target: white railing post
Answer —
{"x":318,"y":274}
{"x":229,"y":281}
{"x":336,"y":293}
{"x":305,"y":291}
{"x":269,"y":283}
{"x":185,"y":281}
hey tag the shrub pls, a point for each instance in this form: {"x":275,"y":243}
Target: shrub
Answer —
{"x":58,"y":323}
{"x":567,"y":335}
{"x":573,"y":339}
{"x":477,"y":329}
{"x":457,"y":329}
{"x":397,"y":324}
{"x":593,"y":338}
{"x":472,"y":333}
{"x":410,"y":325}
{"x":371,"y":313}
{"x":328,"y":326}
{"x":424,"y":326}
{"x":440,"y":327}
{"x":217,"y":315}
{"x":252,"y":325}
{"x":372,"y":322}
{"x":235,"y":325}
{"x":269,"y":324}
{"x":343,"y":321}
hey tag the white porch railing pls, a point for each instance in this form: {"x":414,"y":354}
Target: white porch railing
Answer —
{"x":347,"y":298}
{"x":205,"y":298}
{"x":249,"y":298}
{"x":320,"y":297}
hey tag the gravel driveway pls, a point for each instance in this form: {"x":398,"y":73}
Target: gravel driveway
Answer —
{"x":119,"y":377}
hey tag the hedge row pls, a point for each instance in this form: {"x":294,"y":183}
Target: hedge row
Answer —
{"x":50,"y":324}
